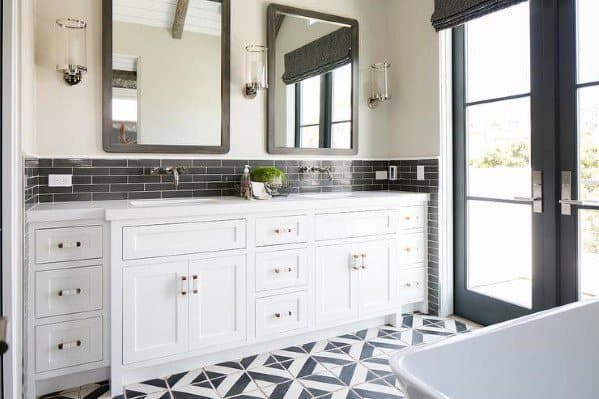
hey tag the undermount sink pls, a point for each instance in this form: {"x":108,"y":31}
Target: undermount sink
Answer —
{"x":329,"y":195}
{"x":158,"y":202}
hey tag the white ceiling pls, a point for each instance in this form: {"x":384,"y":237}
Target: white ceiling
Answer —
{"x":203,"y":16}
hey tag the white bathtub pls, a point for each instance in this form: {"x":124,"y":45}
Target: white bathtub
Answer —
{"x":549,"y":355}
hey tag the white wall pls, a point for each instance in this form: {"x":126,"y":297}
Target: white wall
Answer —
{"x":68,"y":119}
{"x":414,"y":122}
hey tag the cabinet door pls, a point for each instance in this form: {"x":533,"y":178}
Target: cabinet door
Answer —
{"x":336,"y":284}
{"x":378,"y":276}
{"x":217,"y":305}
{"x":155,"y":311}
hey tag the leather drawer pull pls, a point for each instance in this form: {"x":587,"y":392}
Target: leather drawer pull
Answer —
{"x":69,"y":345}
{"x":70,"y":292}
{"x":64,"y":245}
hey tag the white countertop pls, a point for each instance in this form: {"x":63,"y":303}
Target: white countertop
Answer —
{"x":125,"y":210}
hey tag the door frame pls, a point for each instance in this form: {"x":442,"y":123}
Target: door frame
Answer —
{"x":544,"y":147}
{"x":12,"y":194}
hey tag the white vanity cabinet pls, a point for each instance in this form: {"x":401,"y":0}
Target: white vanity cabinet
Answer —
{"x":192,"y":285}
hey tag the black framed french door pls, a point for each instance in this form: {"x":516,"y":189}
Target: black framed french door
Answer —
{"x":579,"y":150}
{"x":505,"y":157}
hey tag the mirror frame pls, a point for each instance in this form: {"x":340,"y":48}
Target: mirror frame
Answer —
{"x":273,"y":9}
{"x":223,"y":148}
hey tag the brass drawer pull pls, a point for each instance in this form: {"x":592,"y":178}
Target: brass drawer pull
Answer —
{"x":183,"y":285}
{"x":195,"y":284}
{"x":70,"y":292}
{"x":65,"y":245}
{"x":69,"y":345}
{"x":288,"y":270}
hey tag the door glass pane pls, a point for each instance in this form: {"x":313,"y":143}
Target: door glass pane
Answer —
{"x":498,"y":137}
{"x":499,"y":251}
{"x":589,"y":254}
{"x":588,"y":32}
{"x":498,"y":58}
{"x":588,"y":134}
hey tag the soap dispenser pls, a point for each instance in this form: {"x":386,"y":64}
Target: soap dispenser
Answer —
{"x":246,"y":184}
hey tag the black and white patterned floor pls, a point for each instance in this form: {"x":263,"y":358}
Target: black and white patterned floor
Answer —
{"x":352,"y":366}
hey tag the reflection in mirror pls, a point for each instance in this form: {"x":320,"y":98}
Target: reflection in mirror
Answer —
{"x":312,"y":94}
{"x":166,"y":72}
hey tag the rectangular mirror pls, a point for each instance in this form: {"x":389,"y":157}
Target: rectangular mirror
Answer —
{"x":166,"y":74}
{"x":313,"y":82}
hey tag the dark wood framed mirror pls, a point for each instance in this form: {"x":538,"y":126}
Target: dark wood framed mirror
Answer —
{"x":166,"y":76}
{"x":313,"y":73}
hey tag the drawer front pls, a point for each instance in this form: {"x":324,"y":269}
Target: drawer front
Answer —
{"x":355,"y":224}
{"x":182,"y":238}
{"x":68,"y":244}
{"x":412,"y":284}
{"x":281,"y":269}
{"x":281,"y":230}
{"x":412,"y":217}
{"x":281,"y":313}
{"x":65,"y":291}
{"x":68,"y":344}
{"x":412,"y":249}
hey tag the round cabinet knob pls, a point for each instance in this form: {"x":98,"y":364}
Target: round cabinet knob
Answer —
{"x":277,"y":315}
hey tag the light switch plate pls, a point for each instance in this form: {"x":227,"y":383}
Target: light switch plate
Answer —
{"x":381,"y":175}
{"x":420,"y":172}
{"x":60,"y":180}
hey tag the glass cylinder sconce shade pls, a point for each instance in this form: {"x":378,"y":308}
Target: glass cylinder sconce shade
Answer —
{"x":71,"y":49}
{"x":380,"y":84}
{"x":256,"y":66}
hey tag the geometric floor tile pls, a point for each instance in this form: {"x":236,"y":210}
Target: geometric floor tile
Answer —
{"x":288,"y":390}
{"x":418,"y":320}
{"x":186,"y":378}
{"x":334,"y":358}
{"x":321,"y":384}
{"x":283,"y":355}
{"x":273,"y":374}
{"x":378,"y":389}
{"x":200,"y":391}
{"x":345,"y":393}
{"x":320,"y":346}
{"x":221,"y":369}
{"x":456,"y":326}
{"x":361,"y":350}
{"x":423,"y":335}
{"x":378,"y":365}
{"x":93,"y":391}
{"x":234,"y":384}
{"x":303,"y":366}
{"x":388,"y":345}
{"x":144,"y":388}
{"x":369,"y":333}
{"x":354,"y":374}
{"x":345,"y":340}
{"x":252,"y":362}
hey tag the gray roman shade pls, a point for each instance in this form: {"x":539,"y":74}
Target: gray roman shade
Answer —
{"x":319,"y":57}
{"x":451,"y":13}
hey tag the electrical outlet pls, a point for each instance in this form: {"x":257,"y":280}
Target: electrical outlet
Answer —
{"x":381,"y":175}
{"x":420,"y":172}
{"x":60,"y":180}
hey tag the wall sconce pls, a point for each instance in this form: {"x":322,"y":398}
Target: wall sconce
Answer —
{"x":256,"y":66}
{"x":380,"y":84}
{"x":71,"y":49}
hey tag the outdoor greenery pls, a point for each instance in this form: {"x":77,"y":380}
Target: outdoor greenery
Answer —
{"x":513,"y":156}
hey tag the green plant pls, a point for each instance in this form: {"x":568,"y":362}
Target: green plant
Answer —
{"x":516,"y":155}
{"x":268,"y":175}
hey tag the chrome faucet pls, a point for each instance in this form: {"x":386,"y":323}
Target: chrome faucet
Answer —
{"x":317,"y":169}
{"x":171,"y":170}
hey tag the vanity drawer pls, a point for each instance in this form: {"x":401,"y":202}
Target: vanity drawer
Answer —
{"x":68,"y":244}
{"x":281,"y":269}
{"x":281,"y":313}
{"x":68,"y":344}
{"x":182,"y":238}
{"x":281,"y":230}
{"x":412,"y":284}
{"x":412,"y":249}
{"x":65,"y":291}
{"x":330,"y":226}
{"x":411,"y":217}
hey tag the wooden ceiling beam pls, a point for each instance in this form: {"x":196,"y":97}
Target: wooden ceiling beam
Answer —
{"x":179,"y":20}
